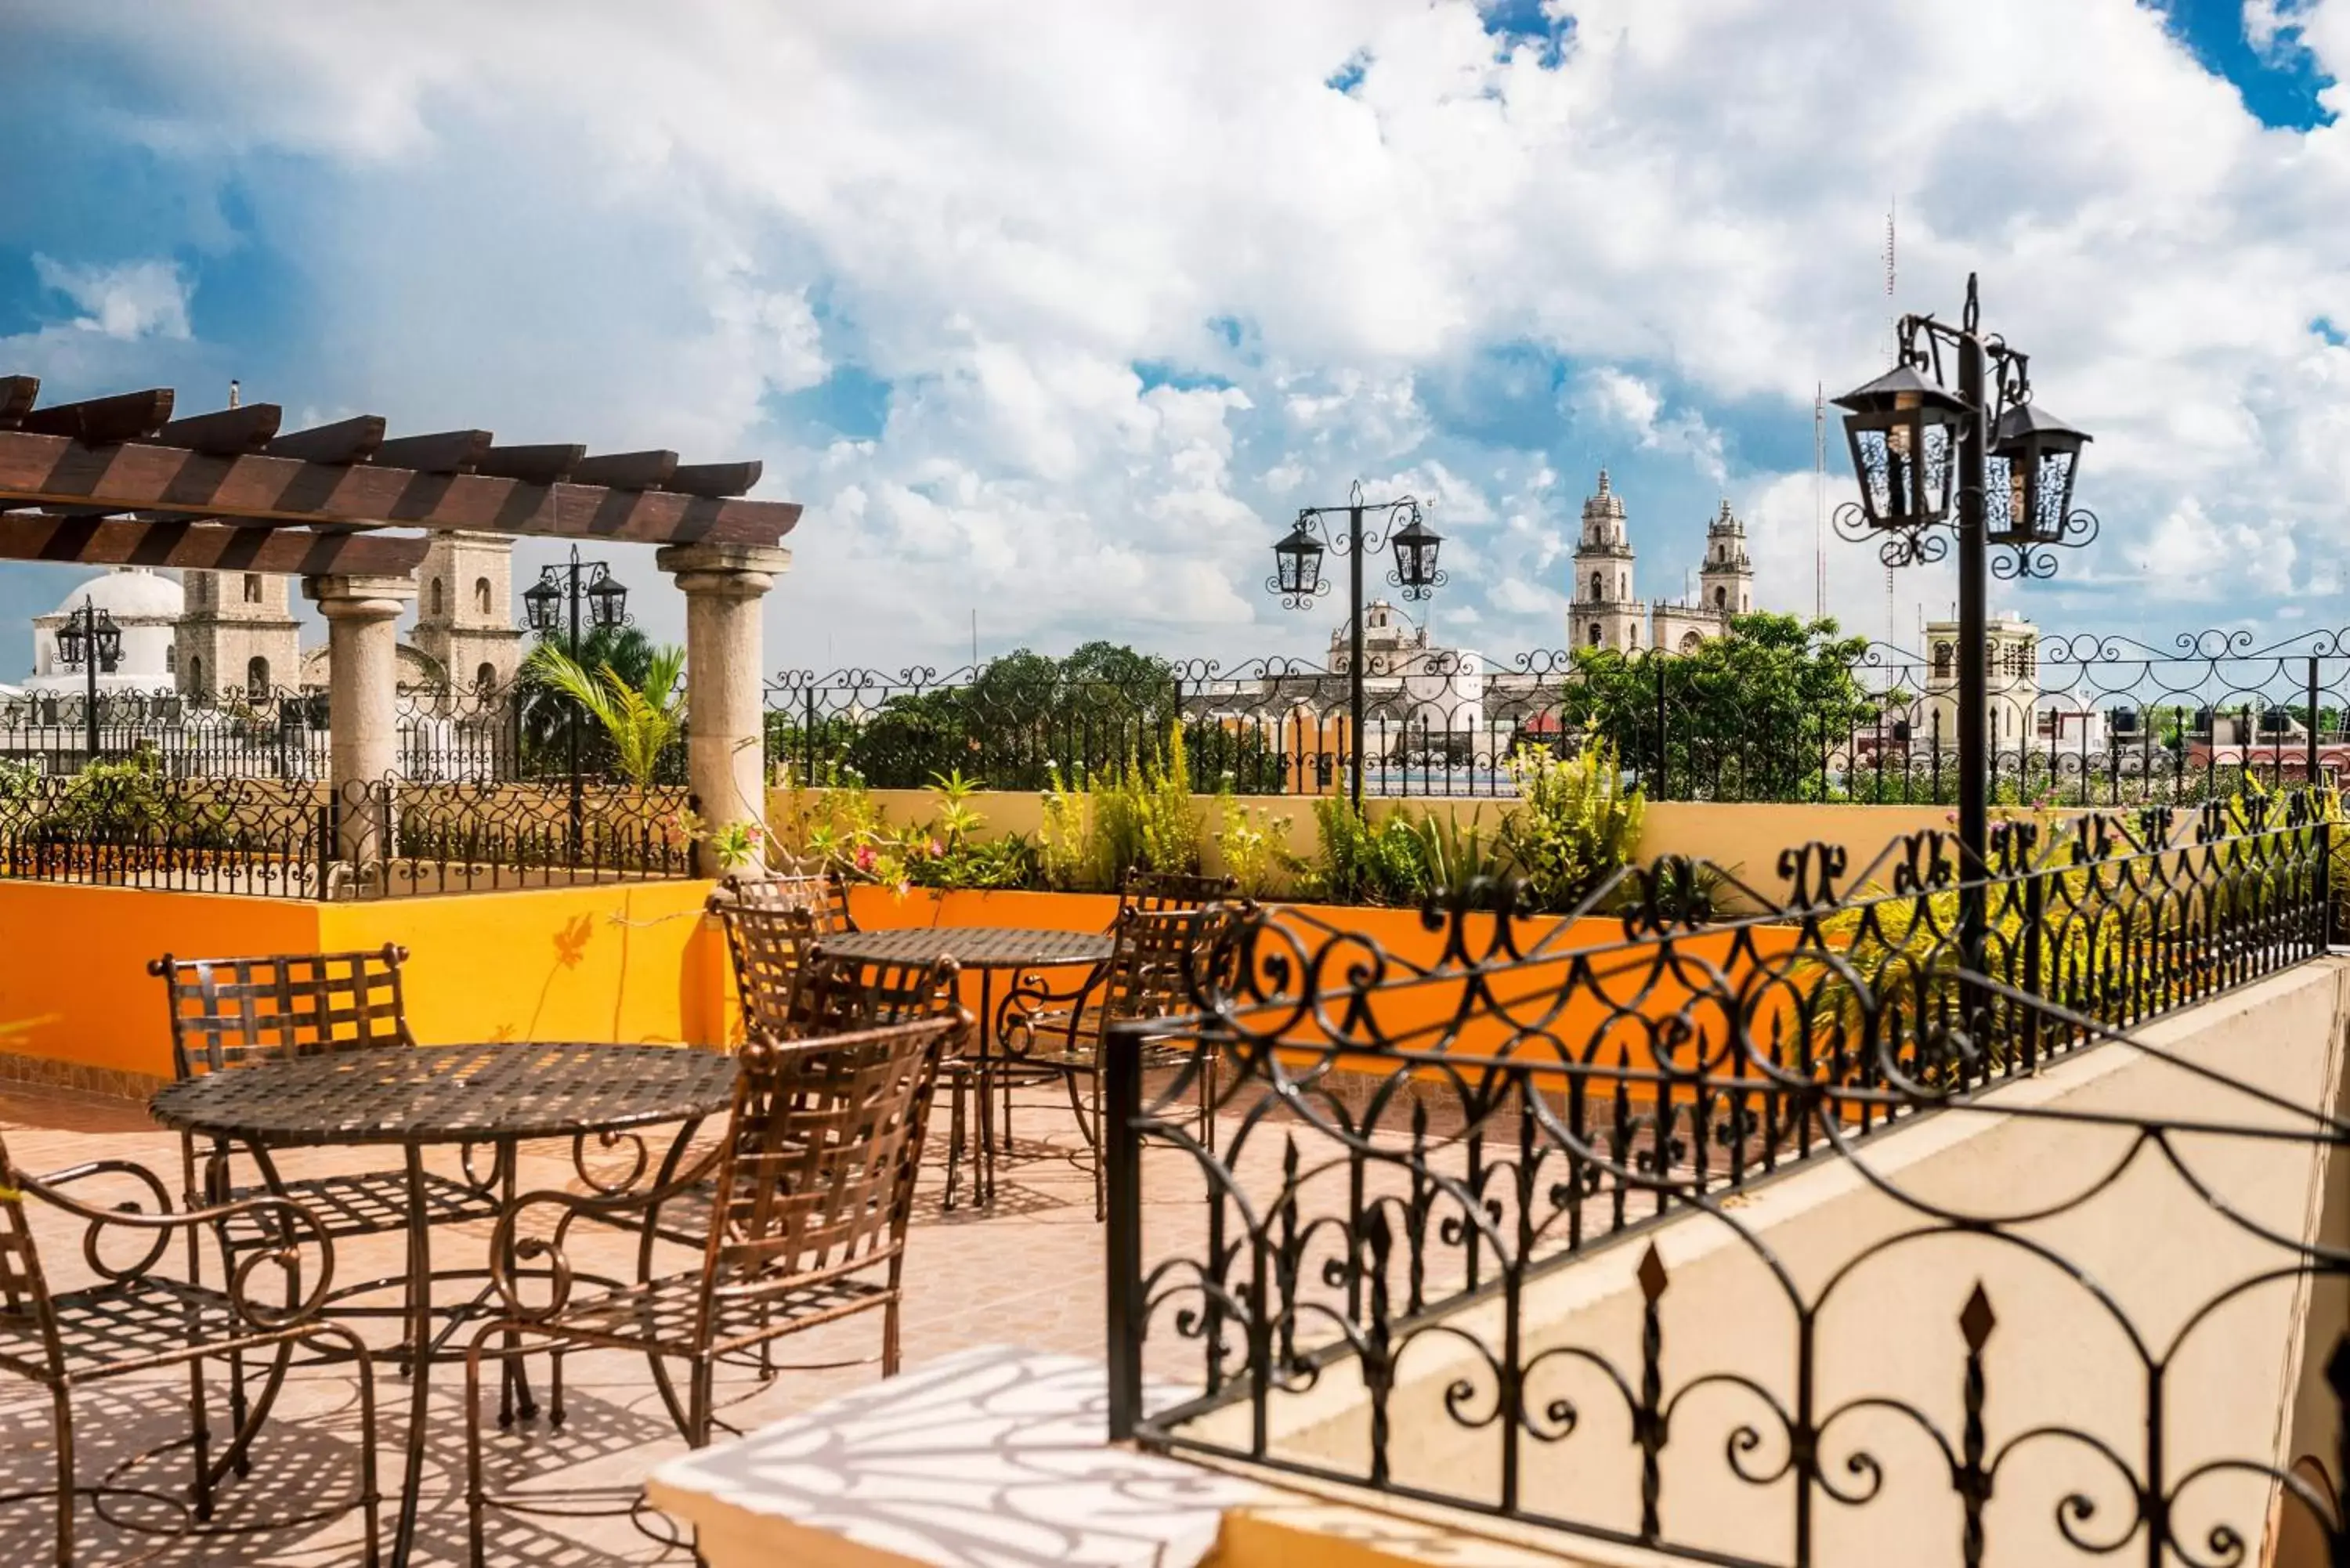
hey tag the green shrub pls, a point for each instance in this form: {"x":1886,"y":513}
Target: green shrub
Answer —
{"x":1256,"y":855}
{"x":1358,"y":861}
{"x":1575,"y":823}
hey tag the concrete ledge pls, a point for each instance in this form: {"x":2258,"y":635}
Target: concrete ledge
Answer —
{"x":995,"y":1455}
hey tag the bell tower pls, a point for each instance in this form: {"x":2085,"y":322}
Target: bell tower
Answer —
{"x":1605,"y":613}
{"x":465,"y":610}
{"x":237,"y":634}
{"x":1726,"y":580}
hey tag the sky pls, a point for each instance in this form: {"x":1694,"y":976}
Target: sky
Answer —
{"x":1052,"y":315}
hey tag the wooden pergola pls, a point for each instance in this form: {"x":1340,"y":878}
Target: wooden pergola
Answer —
{"x":123,"y":481}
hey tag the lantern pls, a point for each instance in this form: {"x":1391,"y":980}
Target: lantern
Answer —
{"x":542,"y":603}
{"x":2040,"y":455}
{"x":105,"y":641}
{"x":1297,"y":564}
{"x":607,"y":599}
{"x":1903,"y":431}
{"x":1415,"y":554}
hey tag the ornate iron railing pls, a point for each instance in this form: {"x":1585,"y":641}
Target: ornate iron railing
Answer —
{"x":2077,"y":721}
{"x":1373,"y":1286}
{"x":131,"y":826}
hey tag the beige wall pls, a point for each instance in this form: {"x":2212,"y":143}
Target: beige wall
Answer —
{"x":1890,"y":1328}
{"x":1748,"y":837}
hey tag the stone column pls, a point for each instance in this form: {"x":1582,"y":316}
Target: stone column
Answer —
{"x":362,"y":698}
{"x":724,"y":679}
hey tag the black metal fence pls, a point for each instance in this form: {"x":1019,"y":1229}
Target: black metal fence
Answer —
{"x":1373,"y":1287}
{"x":443,"y":735}
{"x":132,"y":826}
{"x":2081,"y":720}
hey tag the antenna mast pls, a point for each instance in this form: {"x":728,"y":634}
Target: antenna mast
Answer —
{"x":1819,"y":501}
{"x":1893,"y":328}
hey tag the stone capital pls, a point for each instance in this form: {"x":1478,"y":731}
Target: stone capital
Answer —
{"x":724,"y":571}
{"x":359,"y":598}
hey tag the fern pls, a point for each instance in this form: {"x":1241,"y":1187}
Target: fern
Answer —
{"x":642,"y":721}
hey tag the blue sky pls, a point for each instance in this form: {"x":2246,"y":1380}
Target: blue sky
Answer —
{"x":1058,"y":323}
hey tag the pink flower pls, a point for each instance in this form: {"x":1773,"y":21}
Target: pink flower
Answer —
{"x":934,"y":848}
{"x":753,"y":833}
{"x":865,"y":857}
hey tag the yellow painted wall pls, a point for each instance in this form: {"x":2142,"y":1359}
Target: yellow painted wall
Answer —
{"x":631,"y":962}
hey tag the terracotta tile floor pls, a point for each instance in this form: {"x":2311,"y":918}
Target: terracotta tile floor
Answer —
{"x":1027,"y":1272}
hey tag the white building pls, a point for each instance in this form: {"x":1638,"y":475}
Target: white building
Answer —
{"x":1606,"y":611}
{"x":145,"y":606}
{"x":2011,"y":692}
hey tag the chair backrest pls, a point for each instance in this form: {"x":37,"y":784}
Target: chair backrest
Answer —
{"x":816,"y":1175}
{"x":234,"y":1012}
{"x":833,"y":994}
{"x":24,"y":1289}
{"x":770,"y":948}
{"x":1158,"y":953}
{"x":821,"y":893}
{"x":1156,"y":892}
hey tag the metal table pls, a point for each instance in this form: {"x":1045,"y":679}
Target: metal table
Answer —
{"x":497,"y":1093}
{"x":985,"y":949}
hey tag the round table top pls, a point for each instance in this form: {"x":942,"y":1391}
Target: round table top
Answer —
{"x":973,"y":947}
{"x":452,"y":1093}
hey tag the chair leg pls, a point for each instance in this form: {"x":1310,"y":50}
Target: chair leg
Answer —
{"x":889,"y":1351}
{"x":698,"y":1399}
{"x":555,"y":1385}
{"x":62,"y":1399}
{"x":955,"y":1135}
{"x":200,"y":1440}
{"x":476,"y":1498}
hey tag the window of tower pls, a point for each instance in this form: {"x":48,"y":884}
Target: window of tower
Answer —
{"x":1721,"y":599}
{"x":196,"y":676}
{"x":1598,"y":592}
{"x":1594,"y":634}
{"x":434,"y":602}
{"x":481,"y":596}
{"x":256,"y":676}
{"x":486,"y":677}
{"x":171,"y":658}
{"x":252,"y":587}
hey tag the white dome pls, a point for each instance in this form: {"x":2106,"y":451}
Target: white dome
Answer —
{"x":127,"y":592}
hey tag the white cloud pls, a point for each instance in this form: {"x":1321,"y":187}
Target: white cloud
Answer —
{"x":622,"y":229}
{"x":131,"y":299}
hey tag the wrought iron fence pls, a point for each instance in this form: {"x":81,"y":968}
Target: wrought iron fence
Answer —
{"x":2078,"y":721}
{"x":1373,"y":1287}
{"x":130,"y":826}
{"x":443,"y":734}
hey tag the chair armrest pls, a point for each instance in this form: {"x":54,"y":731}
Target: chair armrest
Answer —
{"x":296,"y":1225}
{"x":1031,"y":995}
{"x":505,"y":1249}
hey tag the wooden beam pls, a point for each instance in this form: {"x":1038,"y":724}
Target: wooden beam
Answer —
{"x":207,"y":546}
{"x":52,"y":472}
{"x":627,"y":470}
{"x":16,"y":395}
{"x":224,"y":432}
{"x":449,"y":451}
{"x":346,"y":441}
{"x":101,"y":421}
{"x":715,"y":479}
{"x":531,"y":464}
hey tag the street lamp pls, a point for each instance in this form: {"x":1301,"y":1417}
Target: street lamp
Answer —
{"x":560,"y":588}
{"x":1918,"y":449}
{"x":1297,"y":581}
{"x":90,"y":640}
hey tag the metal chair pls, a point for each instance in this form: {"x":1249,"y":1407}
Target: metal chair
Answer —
{"x":823,"y":894}
{"x":230,"y":1014}
{"x":1161,"y":956}
{"x":814,"y":1177}
{"x":134,"y":1320}
{"x":1164,"y":892}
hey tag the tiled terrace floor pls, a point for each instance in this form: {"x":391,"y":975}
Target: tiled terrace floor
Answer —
{"x":1028,"y":1273}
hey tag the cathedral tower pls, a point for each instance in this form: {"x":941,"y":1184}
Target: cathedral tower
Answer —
{"x":236,"y":634}
{"x":1606,"y":615}
{"x":1726,"y":580}
{"x":465,"y":610}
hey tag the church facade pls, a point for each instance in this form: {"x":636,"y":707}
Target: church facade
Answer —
{"x":1606,"y":611}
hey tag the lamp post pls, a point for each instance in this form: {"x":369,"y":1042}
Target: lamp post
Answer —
{"x":90,"y":640}
{"x":1298,"y":583}
{"x":1989,"y":466}
{"x":553,"y":603}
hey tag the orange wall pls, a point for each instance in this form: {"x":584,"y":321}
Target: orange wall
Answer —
{"x":632,"y":961}
{"x":74,"y":985}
